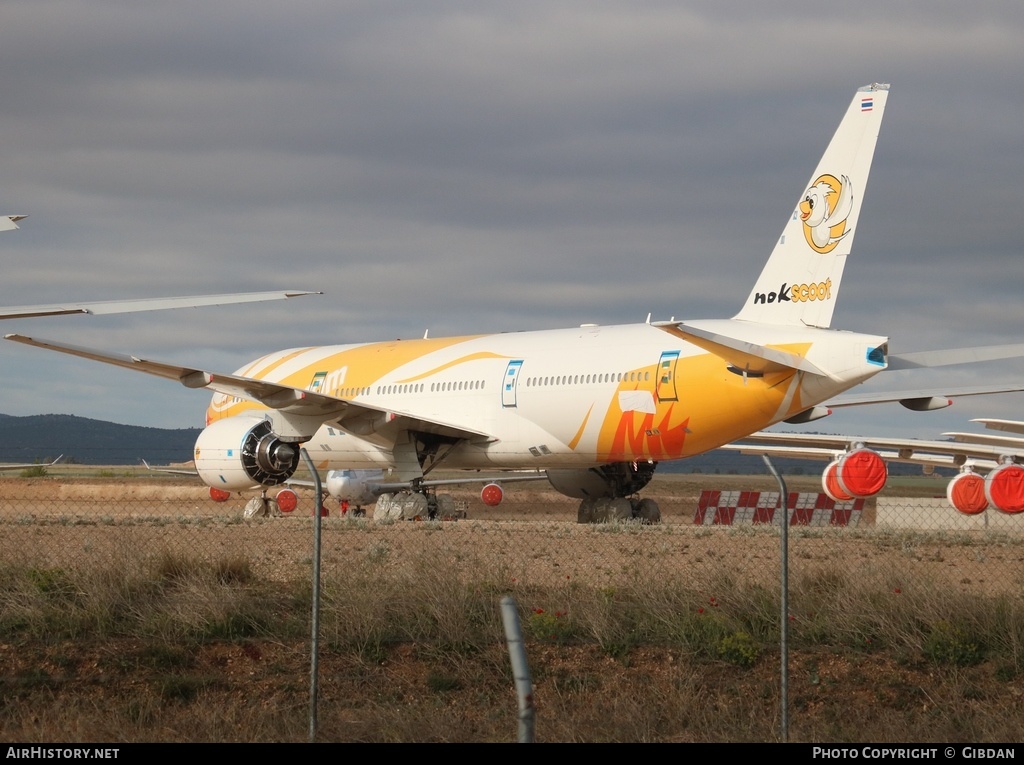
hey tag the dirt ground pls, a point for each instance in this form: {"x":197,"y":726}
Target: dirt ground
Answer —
{"x":532,"y":536}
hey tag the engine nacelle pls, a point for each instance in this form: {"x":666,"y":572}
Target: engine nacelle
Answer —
{"x":359,"y":487}
{"x":287,"y":500}
{"x":241,"y":452}
{"x":966,"y":493}
{"x":617,"y":480}
{"x":856,"y":474}
{"x":926,"y":404}
{"x":491,"y":495}
{"x":1004,"y":488}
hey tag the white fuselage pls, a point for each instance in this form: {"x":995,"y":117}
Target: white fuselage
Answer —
{"x":558,"y":398}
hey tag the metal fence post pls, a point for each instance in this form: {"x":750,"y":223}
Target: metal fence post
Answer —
{"x":520,"y":668}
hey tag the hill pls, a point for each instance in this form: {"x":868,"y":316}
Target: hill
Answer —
{"x":43,"y":437}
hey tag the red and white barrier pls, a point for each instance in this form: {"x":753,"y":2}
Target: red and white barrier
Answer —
{"x":726,"y":508}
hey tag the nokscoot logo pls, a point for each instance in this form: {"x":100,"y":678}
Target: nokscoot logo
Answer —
{"x":797,"y":293}
{"x":824,"y":211}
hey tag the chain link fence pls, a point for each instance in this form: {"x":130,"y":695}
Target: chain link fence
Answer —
{"x":192,"y":598}
{"x":710,"y":524}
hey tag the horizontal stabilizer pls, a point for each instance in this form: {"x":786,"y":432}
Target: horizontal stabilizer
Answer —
{"x":707,"y":338}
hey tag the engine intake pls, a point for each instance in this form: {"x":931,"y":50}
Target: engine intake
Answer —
{"x":241,"y":452}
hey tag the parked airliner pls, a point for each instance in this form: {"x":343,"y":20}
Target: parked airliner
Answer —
{"x":594,"y":407}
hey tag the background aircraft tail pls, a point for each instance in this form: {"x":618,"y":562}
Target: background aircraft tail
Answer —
{"x":800,"y":283}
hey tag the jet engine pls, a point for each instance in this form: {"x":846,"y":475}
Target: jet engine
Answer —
{"x":616,"y":480}
{"x":287,"y":500}
{"x":858,"y":473}
{"x":357,"y":486}
{"x":966,"y":493}
{"x":1004,"y":488}
{"x":491,"y":495}
{"x":241,"y":452}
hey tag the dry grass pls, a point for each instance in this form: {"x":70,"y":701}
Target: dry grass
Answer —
{"x":146,"y":652}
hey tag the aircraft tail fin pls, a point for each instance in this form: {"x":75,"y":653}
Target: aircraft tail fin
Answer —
{"x":800,"y":282}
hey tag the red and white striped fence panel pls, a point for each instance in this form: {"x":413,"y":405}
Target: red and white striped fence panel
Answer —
{"x":726,"y":508}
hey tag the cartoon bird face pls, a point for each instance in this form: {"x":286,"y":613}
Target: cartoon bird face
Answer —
{"x":814,"y":208}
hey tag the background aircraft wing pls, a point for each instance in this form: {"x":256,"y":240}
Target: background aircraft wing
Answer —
{"x":922,"y":399}
{"x":917,"y":451}
{"x":512,"y":476}
{"x":32,"y":465}
{"x":950,"y":356}
{"x":281,"y":398}
{"x":144,"y":304}
{"x":1009,"y":426}
{"x":827,"y":455}
{"x":8,"y":222}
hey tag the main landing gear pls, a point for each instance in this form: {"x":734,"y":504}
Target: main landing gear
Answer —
{"x":417,"y":506}
{"x":609,"y":491}
{"x":610,"y":510}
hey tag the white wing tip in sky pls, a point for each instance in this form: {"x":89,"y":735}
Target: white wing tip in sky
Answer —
{"x":146,"y":304}
{"x":9,"y":222}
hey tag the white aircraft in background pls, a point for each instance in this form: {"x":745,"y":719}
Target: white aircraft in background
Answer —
{"x":990,"y":474}
{"x":595,"y":407}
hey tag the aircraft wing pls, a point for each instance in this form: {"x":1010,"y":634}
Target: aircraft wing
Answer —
{"x":950,"y":356}
{"x":430,"y":483}
{"x":143,"y":304}
{"x":1009,"y":426}
{"x":32,"y":465}
{"x":282,"y":398}
{"x":828,"y":454}
{"x":9,"y":222}
{"x":922,"y":399}
{"x":173,"y":471}
{"x":919,"y":451}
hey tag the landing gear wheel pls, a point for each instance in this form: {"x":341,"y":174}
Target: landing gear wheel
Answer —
{"x":647,"y":511}
{"x":261,"y":506}
{"x":619,"y":510}
{"x":586,"y":512}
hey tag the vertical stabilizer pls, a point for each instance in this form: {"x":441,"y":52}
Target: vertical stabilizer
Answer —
{"x":800,"y":283}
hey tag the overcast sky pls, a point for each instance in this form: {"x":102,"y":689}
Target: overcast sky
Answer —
{"x":479,"y":166}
